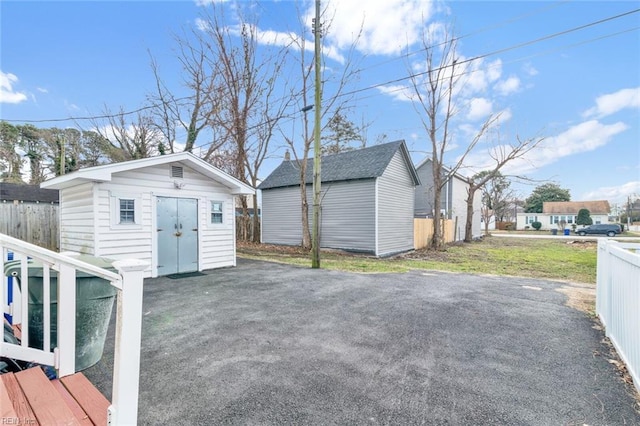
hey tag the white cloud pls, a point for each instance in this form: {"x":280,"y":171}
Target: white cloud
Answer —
{"x":614,"y":102}
{"x":7,"y":93}
{"x":386,"y":27}
{"x":583,"y":137}
{"x":479,"y":108}
{"x":479,"y":76}
{"x":208,"y":2}
{"x":398,"y":92}
{"x":508,"y":86}
{"x":529,"y":69}
{"x":42,"y":90}
{"x":202,"y":25}
{"x":505,"y":115}
{"x":616,"y":194}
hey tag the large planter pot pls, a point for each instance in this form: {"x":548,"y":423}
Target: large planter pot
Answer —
{"x":94,"y":303}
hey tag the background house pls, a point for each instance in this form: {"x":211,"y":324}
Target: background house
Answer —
{"x":174,"y":211}
{"x":367,"y":201}
{"x":555,"y":211}
{"x":453,"y":200}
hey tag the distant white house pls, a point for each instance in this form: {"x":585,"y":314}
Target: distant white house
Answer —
{"x":554,"y":212}
{"x":174,"y":211}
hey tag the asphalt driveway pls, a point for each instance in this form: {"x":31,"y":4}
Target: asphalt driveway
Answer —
{"x":265,"y":343}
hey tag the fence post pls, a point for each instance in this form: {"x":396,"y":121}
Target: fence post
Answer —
{"x":126,"y":365}
{"x":66,"y":320}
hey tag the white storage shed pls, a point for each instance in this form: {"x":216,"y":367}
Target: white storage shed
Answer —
{"x":174,"y":211}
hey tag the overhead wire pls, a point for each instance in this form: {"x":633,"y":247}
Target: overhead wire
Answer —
{"x":376,"y":85}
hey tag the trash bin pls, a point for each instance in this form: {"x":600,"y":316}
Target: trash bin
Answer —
{"x":567,"y":232}
{"x":554,"y":232}
{"x":94,"y":303}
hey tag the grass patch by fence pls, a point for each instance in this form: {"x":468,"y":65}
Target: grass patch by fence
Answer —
{"x":536,"y":258}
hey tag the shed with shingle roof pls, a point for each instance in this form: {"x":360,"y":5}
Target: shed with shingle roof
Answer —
{"x":367,"y":201}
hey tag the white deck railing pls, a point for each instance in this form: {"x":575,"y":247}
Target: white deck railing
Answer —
{"x":618,"y":300}
{"x":128,"y":282}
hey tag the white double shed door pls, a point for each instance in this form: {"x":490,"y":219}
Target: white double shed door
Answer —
{"x":177,"y":232}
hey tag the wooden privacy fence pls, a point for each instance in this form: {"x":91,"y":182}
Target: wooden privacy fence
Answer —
{"x":35,"y":223}
{"x":244,"y":229}
{"x":423,"y":231}
{"x":618,"y":300}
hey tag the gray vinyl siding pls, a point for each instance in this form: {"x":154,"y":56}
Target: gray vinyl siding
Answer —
{"x":348,"y":215}
{"x":77,"y":230}
{"x":281,"y":216}
{"x":396,"y":195}
{"x":423,"y":205}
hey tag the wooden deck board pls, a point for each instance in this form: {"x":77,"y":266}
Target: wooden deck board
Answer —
{"x":6,"y":404}
{"x":19,"y":402}
{"x":91,"y":400}
{"x":47,"y":404}
{"x":77,"y":410}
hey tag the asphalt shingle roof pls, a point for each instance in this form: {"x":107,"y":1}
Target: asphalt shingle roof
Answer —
{"x":23,"y":192}
{"x":366,"y":163}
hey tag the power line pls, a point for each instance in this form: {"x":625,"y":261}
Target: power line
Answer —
{"x":543,"y":53}
{"x":370,"y":87}
{"x":493,"y":53}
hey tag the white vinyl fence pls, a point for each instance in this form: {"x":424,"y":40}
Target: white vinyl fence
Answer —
{"x":618,"y":300}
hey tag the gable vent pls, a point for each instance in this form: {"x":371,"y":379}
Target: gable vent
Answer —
{"x":176,"y":172}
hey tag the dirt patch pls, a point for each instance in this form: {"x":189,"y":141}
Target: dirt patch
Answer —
{"x":259,"y":249}
{"x":580,"y":296}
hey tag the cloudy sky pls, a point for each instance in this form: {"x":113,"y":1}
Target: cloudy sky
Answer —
{"x":564,"y":71}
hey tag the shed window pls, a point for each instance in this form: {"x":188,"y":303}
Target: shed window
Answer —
{"x":127,"y":210}
{"x":216,"y":212}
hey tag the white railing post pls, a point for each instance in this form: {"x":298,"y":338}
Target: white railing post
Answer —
{"x":126,"y":365}
{"x":66,"y":352}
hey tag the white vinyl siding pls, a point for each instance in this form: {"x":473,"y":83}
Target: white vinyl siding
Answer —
{"x":396,"y":194}
{"x":77,"y":219}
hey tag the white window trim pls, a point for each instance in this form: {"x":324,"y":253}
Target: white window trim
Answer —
{"x":114,"y":199}
{"x":225,"y":213}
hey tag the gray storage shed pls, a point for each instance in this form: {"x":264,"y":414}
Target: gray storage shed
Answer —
{"x":367,"y":201}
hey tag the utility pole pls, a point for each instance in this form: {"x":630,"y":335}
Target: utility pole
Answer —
{"x":315,"y":232}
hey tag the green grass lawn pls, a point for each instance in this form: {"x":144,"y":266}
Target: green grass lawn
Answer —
{"x":536,"y":258}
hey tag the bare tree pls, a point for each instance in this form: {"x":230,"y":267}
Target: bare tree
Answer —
{"x":255,"y":98}
{"x":189,"y":114}
{"x":333,"y":102}
{"x":501,"y":156}
{"x":495,"y":198}
{"x":434,"y":91}
{"x":128,"y":139}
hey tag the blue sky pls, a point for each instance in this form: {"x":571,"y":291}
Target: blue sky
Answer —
{"x":568,"y":71}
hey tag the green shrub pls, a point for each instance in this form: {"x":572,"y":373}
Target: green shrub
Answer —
{"x":536,"y":225}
